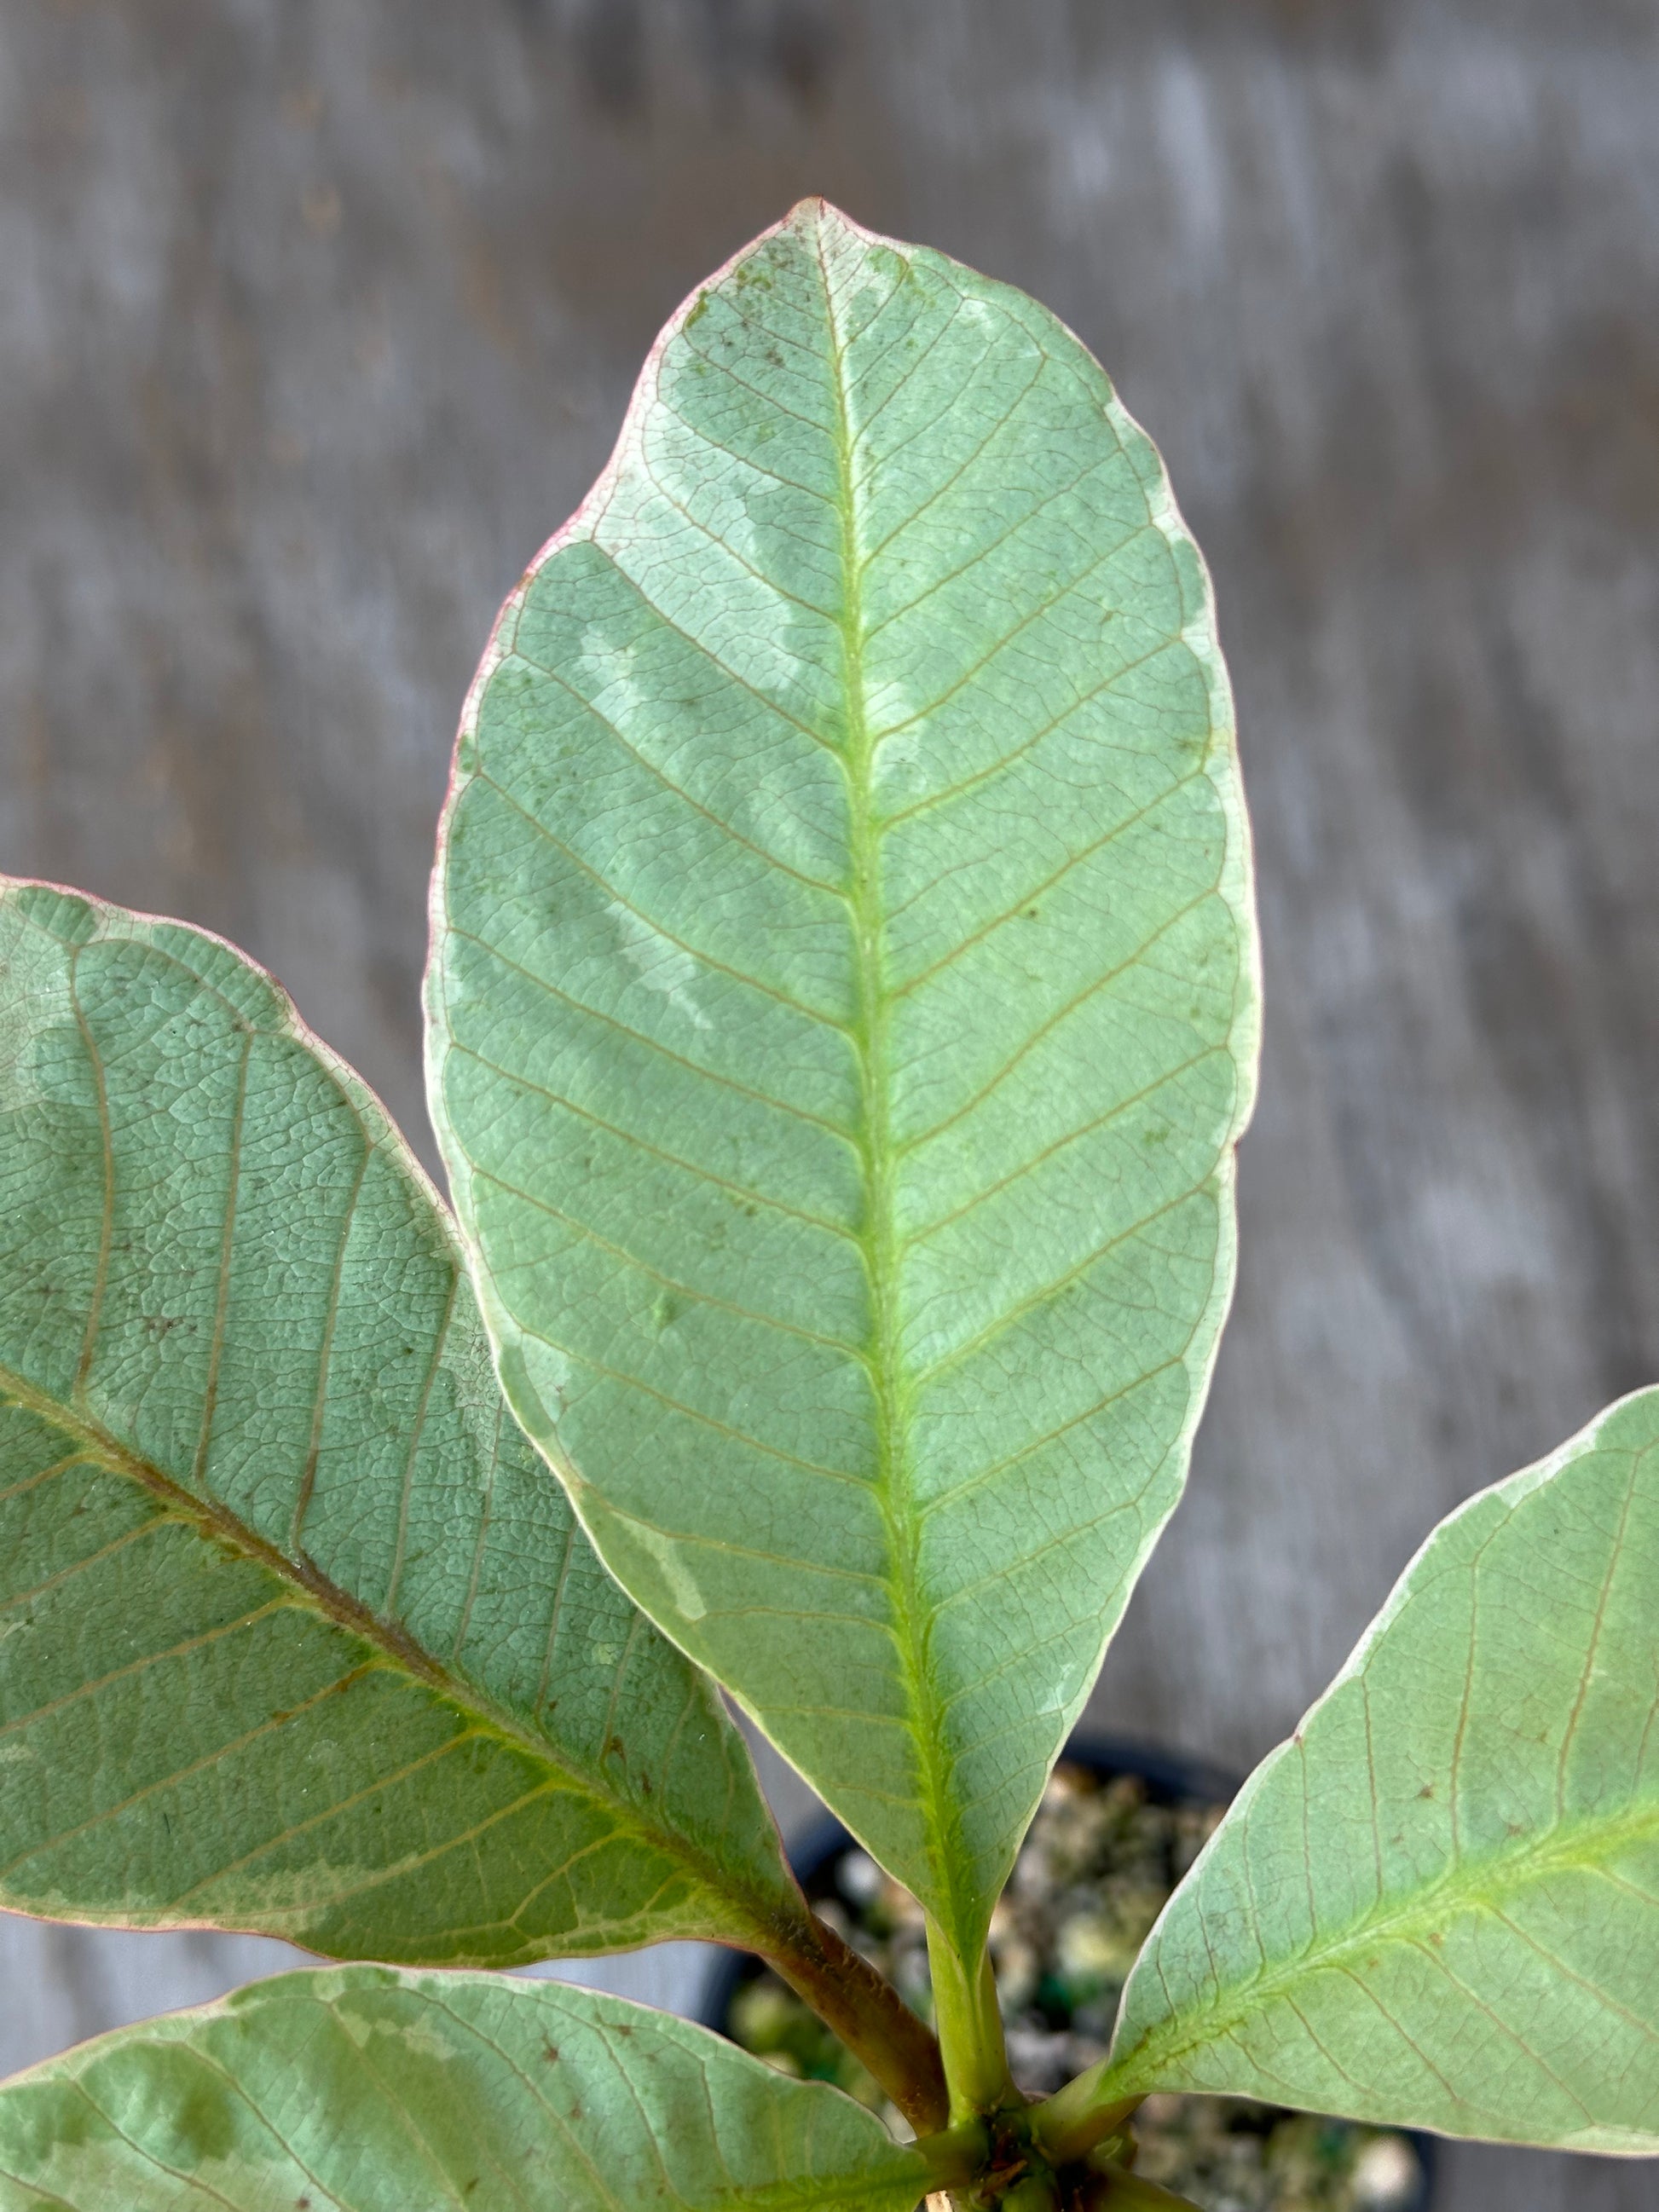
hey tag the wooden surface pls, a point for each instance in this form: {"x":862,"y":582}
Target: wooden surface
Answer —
{"x":316,"y":316}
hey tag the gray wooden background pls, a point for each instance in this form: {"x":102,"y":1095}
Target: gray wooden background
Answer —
{"x":316,"y":316}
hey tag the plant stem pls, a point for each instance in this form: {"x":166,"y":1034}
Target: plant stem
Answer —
{"x":969,"y":2032}
{"x":954,"y":2159}
{"x":1071,"y":2123}
{"x":867,"y":2014}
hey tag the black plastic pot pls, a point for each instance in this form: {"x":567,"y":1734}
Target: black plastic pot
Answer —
{"x":1169,"y":1779}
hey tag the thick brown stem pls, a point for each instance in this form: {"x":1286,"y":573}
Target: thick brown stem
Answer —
{"x":870,"y":2017}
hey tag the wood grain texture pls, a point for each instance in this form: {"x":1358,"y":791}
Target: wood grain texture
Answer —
{"x":317,"y":320}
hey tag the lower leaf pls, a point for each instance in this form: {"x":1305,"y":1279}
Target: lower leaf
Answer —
{"x":365,"y":2089}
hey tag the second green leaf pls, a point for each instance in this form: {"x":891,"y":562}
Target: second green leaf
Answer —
{"x":843,"y":1010}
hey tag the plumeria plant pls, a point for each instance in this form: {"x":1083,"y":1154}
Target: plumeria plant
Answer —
{"x":841,"y":1012}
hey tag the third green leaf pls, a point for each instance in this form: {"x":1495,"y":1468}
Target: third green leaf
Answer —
{"x":1439,"y":1903}
{"x":843,"y":1011}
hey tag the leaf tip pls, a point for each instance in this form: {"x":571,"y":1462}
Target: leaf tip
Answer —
{"x":815,"y":213}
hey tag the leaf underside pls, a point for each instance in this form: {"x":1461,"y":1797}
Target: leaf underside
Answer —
{"x":296,"y":1633}
{"x":841,"y":1011}
{"x":361,"y":2089}
{"x":1438,"y":1904}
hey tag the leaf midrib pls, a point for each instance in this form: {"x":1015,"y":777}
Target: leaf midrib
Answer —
{"x":1471,"y":1885}
{"x":307,"y":1583}
{"x":878,"y":1158}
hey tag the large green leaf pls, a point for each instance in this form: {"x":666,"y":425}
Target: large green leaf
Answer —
{"x":361,"y":2089}
{"x":843,"y":1010}
{"x":296,"y":1633}
{"x":1438,"y":1903}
